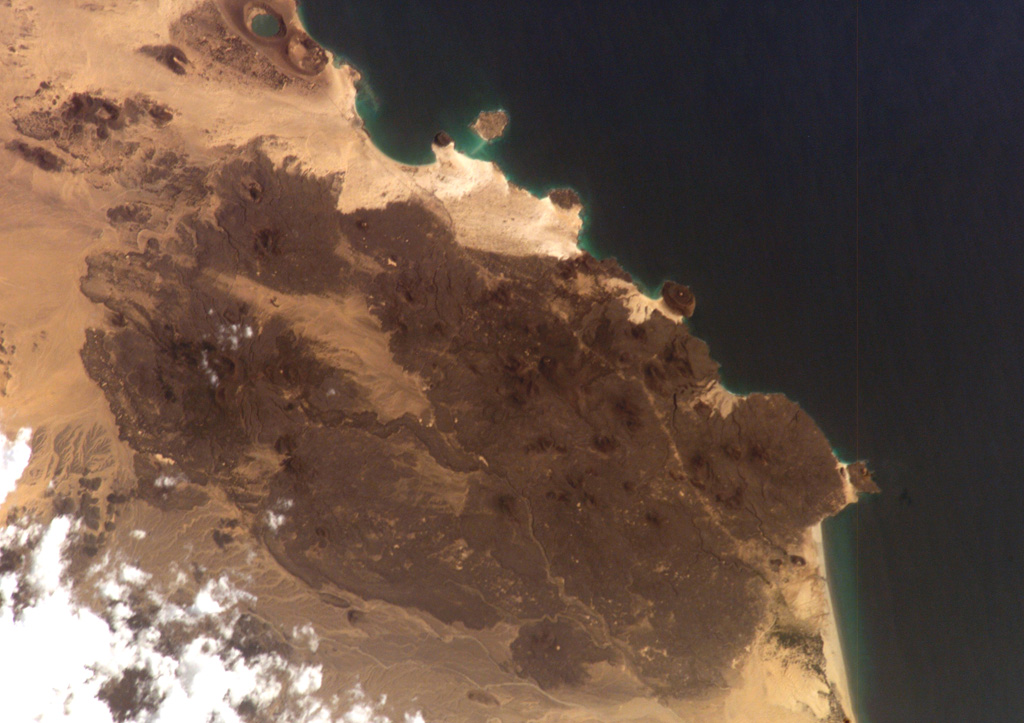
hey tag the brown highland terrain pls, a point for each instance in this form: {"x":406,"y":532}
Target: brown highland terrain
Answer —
{"x":499,"y":482}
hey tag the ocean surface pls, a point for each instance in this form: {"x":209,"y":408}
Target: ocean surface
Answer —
{"x":842,"y":185}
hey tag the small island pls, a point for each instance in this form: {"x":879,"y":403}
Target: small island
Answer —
{"x":490,"y":124}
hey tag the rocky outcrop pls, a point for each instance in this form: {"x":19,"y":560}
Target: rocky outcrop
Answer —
{"x":570,"y":446}
{"x":565,"y":198}
{"x":490,"y":124}
{"x":679,"y":298}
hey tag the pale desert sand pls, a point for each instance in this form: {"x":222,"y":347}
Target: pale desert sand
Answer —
{"x":836,"y":666}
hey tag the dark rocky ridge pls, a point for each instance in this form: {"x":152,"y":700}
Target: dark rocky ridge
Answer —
{"x":170,"y":56}
{"x":604,"y":502}
{"x":36,"y":155}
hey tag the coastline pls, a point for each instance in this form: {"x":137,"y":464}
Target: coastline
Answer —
{"x":455,"y":173}
{"x":835,"y":663}
{"x":471,"y":192}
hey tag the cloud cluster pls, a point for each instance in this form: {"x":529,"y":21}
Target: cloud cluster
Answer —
{"x":14,"y":455}
{"x":133,"y":655}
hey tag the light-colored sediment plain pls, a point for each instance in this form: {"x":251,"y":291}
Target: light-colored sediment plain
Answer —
{"x":56,"y":196}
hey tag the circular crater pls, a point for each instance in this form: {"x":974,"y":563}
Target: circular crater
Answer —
{"x":264,"y":22}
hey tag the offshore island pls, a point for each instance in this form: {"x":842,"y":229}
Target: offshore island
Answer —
{"x":490,"y":124}
{"x":398,"y":403}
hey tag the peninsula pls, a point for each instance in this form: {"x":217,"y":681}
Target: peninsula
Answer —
{"x":399,"y":404}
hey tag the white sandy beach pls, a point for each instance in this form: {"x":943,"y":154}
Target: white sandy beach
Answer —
{"x":835,"y":662}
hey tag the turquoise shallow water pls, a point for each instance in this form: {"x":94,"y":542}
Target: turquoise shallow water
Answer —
{"x":839,"y":536}
{"x":369,"y":108}
{"x":395,"y":132}
{"x":839,"y":184}
{"x":456,"y":122}
{"x":266,"y":26}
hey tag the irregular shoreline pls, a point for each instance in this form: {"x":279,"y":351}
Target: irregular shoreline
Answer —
{"x":490,"y":125}
{"x":265,"y":299}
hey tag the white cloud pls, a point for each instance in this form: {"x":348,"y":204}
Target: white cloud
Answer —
{"x":134,"y":576}
{"x":14,"y":456}
{"x":307,"y":634}
{"x":216,"y":596}
{"x":166,"y":482}
{"x":274,"y":520}
{"x":57,"y":655}
{"x":231,"y":335}
{"x":204,"y":363}
{"x":47,"y":564}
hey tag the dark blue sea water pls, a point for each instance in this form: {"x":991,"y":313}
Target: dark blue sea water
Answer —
{"x":842,"y":184}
